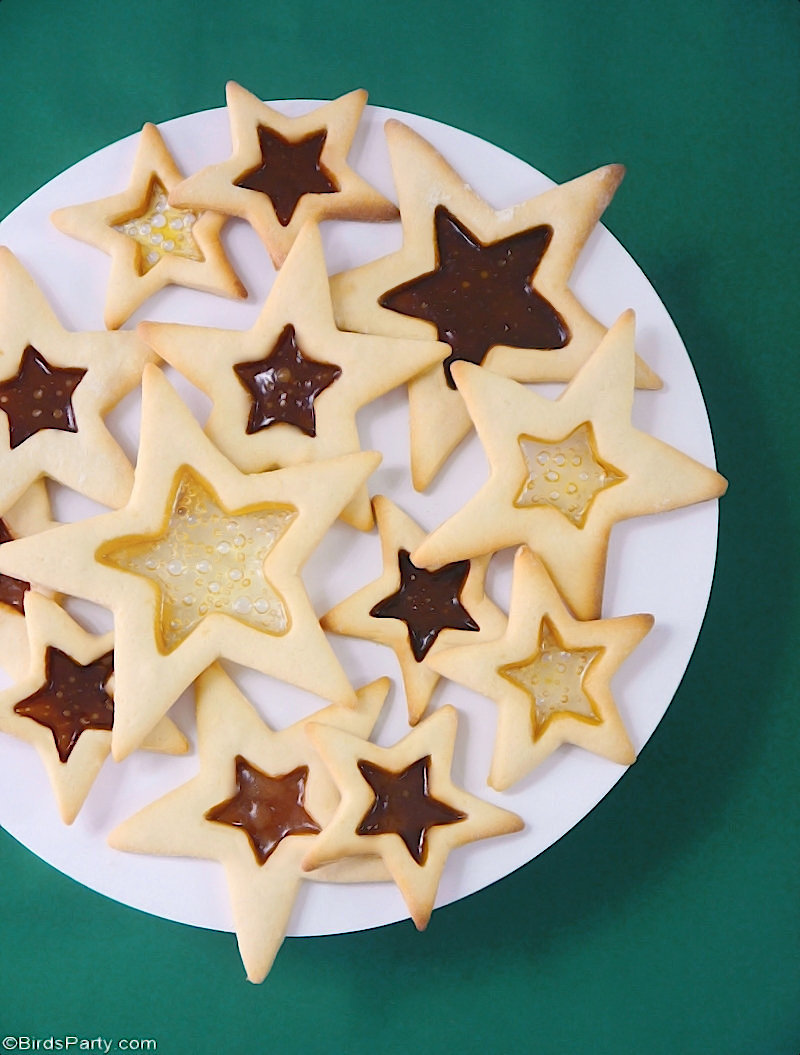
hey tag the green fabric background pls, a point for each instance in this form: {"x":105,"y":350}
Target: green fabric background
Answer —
{"x":668,"y":921}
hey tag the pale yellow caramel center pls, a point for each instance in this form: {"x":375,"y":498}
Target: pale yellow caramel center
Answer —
{"x":553,"y":678}
{"x":160,"y":230}
{"x":566,"y":474}
{"x":206,"y":561}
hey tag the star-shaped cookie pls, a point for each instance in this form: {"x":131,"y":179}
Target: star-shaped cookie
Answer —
{"x":287,"y":390}
{"x":27,"y":516}
{"x":151,"y":243}
{"x":400,"y":802}
{"x":564,"y":471}
{"x":203,"y":562}
{"x":492,"y":283}
{"x":64,"y":704}
{"x":258,"y":801}
{"x":55,"y":388}
{"x":414,"y":611}
{"x":550,"y":675}
{"x":286,"y":170}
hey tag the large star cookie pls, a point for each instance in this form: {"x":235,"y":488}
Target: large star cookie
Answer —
{"x":64,"y":704}
{"x":287,"y":391}
{"x":414,"y":611}
{"x":286,"y":170}
{"x":258,"y":801}
{"x":55,"y":389}
{"x":203,"y":562}
{"x":400,"y":802}
{"x":151,"y":243}
{"x":550,"y":675}
{"x":492,"y":284}
{"x":564,"y":471}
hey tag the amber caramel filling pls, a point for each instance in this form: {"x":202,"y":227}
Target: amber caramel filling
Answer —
{"x":565,"y":474}
{"x":160,"y":230}
{"x":207,"y":560}
{"x":267,"y":809}
{"x":72,"y":699}
{"x":553,"y":678}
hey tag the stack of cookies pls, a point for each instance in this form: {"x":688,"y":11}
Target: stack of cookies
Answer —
{"x":201,"y":552}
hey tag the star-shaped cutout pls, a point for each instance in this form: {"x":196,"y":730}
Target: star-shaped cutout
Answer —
{"x":63,"y":704}
{"x":151,"y":243}
{"x":652,"y":476}
{"x":55,"y":389}
{"x":284,"y":385}
{"x":414,"y":835}
{"x":417,"y":630}
{"x":91,"y":706}
{"x":214,"y":360}
{"x":445,"y":224}
{"x":39,"y":396}
{"x":267,"y":808}
{"x":254,"y":806}
{"x":428,"y":602}
{"x":404,"y":806}
{"x":288,"y":170}
{"x":321,"y":187}
{"x":207,"y":559}
{"x":553,"y":678}
{"x":550,"y":676}
{"x":152,"y":672}
{"x":480,"y":295}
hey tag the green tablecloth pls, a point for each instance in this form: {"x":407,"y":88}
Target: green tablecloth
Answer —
{"x":668,"y":920}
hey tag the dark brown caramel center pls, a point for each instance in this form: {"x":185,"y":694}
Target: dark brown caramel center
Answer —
{"x":284,"y":386}
{"x":268,"y":809}
{"x":38,"y":397}
{"x":427,"y":602}
{"x":479,"y":296}
{"x":288,"y":170}
{"x":404,"y":805}
{"x":72,"y":699}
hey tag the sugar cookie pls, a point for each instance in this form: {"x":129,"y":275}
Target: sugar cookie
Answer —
{"x":400,"y":802}
{"x":550,"y":676}
{"x":416,"y":612}
{"x":493,"y":284}
{"x":151,"y":243}
{"x":564,"y":471}
{"x":286,"y":170}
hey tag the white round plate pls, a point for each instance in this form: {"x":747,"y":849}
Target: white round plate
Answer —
{"x":658,"y":564}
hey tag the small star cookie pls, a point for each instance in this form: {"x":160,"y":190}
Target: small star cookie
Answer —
{"x":492,"y":284}
{"x":564,"y":471}
{"x":287,"y":391}
{"x":64,"y":705}
{"x":550,"y":675}
{"x":400,"y":802}
{"x":203,"y":562}
{"x":151,"y":243}
{"x":414,"y":611}
{"x":55,"y":388}
{"x":260,"y":798}
{"x":286,"y":170}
